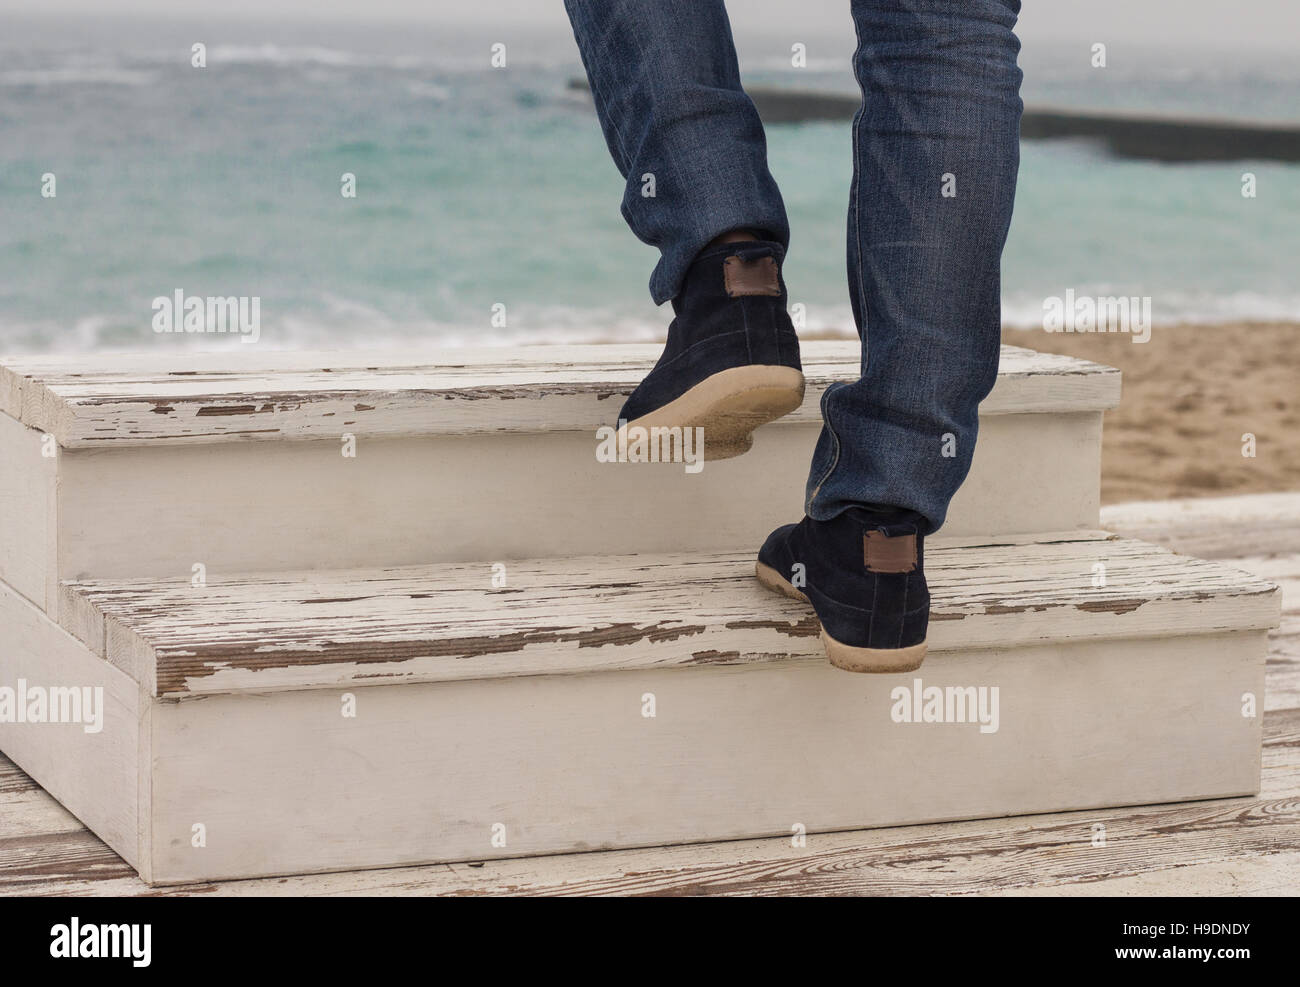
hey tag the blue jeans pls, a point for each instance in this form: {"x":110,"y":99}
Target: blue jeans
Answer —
{"x":936,"y":148}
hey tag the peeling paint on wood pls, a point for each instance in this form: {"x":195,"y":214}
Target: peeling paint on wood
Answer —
{"x":1246,"y":845}
{"x":570,"y":616}
{"x":142,"y":399}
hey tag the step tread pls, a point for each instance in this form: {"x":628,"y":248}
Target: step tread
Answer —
{"x":87,"y":401}
{"x":252,"y":633}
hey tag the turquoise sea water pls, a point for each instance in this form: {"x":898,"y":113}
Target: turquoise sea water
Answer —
{"x":480,"y":187}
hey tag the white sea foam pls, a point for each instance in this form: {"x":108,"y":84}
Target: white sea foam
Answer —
{"x":76,"y":75}
{"x":351,"y":325}
{"x":1176,"y":308}
{"x":272,"y":54}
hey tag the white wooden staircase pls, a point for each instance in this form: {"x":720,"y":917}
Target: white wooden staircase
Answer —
{"x":461,"y":643}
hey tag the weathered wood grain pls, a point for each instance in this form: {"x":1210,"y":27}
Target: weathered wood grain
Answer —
{"x":1269,"y":875}
{"x":1261,"y":525}
{"x":94,"y":774}
{"x":32,"y":864}
{"x":14,"y":779}
{"x":1257,"y":533}
{"x":138,"y":497}
{"x":1226,"y":847}
{"x":27,"y":513}
{"x":1184,"y":849}
{"x":267,"y":506}
{"x":571,"y":616}
{"x":1284,"y":661}
{"x":145,"y":399}
{"x":34,"y":813}
{"x":424,"y":772}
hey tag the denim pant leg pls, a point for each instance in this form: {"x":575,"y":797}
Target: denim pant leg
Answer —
{"x":936,"y":148}
{"x":681,"y":129}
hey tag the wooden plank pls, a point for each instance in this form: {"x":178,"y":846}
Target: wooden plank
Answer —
{"x":559,"y":617}
{"x":1270,"y":875}
{"x":27,"y":530}
{"x":1284,"y":661}
{"x":1262,"y":525}
{"x":92,"y":772}
{"x":34,"y":813}
{"x":29,"y":864}
{"x":431,"y":772}
{"x":1256,"y":533}
{"x":303,"y":505}
{"x":145,"y":399}
{"x":955,"y":856}
{"x":1283,"y":570}
{"x":13,"y":779}
{"x":1155,"y":864}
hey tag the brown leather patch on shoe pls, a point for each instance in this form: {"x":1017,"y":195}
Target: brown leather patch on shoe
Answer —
{"x":884,"y":554}
{"x":751,"y":277}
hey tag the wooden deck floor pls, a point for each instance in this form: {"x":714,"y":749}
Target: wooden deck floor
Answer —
{"x":1248,"y":846}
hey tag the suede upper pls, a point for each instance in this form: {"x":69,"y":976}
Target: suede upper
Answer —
{"x":714,"y":331}
{"x":887,"y":608}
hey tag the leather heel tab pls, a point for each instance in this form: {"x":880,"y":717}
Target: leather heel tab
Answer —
{"x":882,"y":553}
{"x":749,"y":275}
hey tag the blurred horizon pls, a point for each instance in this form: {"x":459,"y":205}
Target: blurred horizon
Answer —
{"x":479,"y":186}
{"x":1253,"y":23}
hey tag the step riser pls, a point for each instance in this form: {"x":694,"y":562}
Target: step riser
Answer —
{"x":301,"y":505}
{"x":425,"y":771}
{"x":94,"y":775}
{"x":283,"y":783}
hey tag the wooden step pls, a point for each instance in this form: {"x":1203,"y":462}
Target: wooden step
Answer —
{"x":324,"y":721}
{"x":338,"y":629}
{"x":150,"y":399}
{"x":147,"y":465}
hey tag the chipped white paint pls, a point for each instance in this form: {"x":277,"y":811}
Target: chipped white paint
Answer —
{"x":573,"y":616}
{"x":1214,"y":527}
{"x":93,"y":774}
{"x":301,"y":505}
{"x":184,"y":397}
{"x":1167,"y":847}
{"x":27,"y":512}
{"x":522,"y":706}
{"x":126,"y":509}
{"x":567,"y":762}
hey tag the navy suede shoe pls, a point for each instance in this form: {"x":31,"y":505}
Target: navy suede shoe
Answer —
{"x":732,"y":359}
{"x":864,"y":574}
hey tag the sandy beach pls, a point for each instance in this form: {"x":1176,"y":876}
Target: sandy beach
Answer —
{"x":1190,"y":394}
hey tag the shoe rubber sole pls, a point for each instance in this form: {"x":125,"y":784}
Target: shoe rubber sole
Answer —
{"x":845,"y":656}
{"x":729,"y":405}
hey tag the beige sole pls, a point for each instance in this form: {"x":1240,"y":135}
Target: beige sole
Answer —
{"x":729,"y":406}
{"x":847,"y":657}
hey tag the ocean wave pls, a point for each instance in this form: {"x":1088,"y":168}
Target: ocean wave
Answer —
{"x":76,"y":75}
{"x":428,"y":90}
{"x":308,"y":332}
{"x":348,"y":324}
{"x":271,"y":54}
{"x":1171,"y":308}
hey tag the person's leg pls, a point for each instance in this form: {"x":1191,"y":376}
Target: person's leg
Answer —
{"x":936,"y":147}
{"x":691,"y":147}
{"x":680,"y":128}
